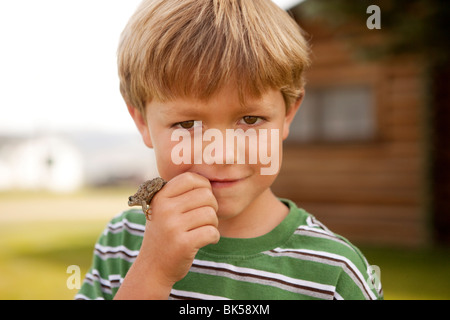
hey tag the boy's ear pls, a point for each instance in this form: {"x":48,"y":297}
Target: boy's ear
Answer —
{"x":290,"y":114}
{"x":141,"y":124}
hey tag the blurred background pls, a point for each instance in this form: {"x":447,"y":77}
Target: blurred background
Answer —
{"x":368,"y":154}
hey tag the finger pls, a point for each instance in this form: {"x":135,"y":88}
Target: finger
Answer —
{"x":197,"y":198}
{"x":185,"y":182}
{"x":203,"y":236}
{"x":178,"y":207}
{"x":199,"y":217}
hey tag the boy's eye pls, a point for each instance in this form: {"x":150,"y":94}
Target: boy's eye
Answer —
{"x":189,"y":124}
{"x":251,"y":119}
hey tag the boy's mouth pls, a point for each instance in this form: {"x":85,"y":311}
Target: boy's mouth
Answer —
{"x":224,"y":183}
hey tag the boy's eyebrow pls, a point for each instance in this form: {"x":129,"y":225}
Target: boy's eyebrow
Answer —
{"x":176,"y":109}
{"x":190,"y":109}
{"x":258,"y":105}
{"x":265,"y":105}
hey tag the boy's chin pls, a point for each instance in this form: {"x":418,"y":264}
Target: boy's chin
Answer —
{"x":230,"y":208}
{"x":227,"y":210}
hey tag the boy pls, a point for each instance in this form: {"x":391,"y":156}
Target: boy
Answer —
{"x":197,"y":68}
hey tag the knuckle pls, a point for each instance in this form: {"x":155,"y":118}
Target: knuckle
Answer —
{"x":195,"y":178}
{"x":205,"y":193}
{"x":213,"y":234}
{"x":210,"y":211}
{"x":210,"y":216}
{"x":187,"y":176}
{"x":213,"y":215}
{"x":208,"y":198}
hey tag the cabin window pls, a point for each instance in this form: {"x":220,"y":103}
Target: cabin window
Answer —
{"x":338,"y":114}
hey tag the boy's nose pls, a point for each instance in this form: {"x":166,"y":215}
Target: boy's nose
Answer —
{"x":231,"y":153}
{"x":215,"y":149}
{"x":231,"y":149}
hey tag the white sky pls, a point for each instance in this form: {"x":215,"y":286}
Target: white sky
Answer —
{"x":58,"y":65}
{"x":287,"y":4}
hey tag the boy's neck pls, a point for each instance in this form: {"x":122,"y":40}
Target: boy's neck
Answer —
{"x":257,"y":219}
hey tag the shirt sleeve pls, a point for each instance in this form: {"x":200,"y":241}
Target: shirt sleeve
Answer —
{"x":358,"y":280}
{"x":114,"y":253}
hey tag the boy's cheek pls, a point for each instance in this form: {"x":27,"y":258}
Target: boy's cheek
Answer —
{"x":167,"y":169}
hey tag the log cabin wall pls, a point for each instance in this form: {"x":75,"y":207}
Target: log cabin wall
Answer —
{"x":371,"y":191}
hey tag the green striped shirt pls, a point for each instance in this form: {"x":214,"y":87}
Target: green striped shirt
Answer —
{"x":299,"y":259}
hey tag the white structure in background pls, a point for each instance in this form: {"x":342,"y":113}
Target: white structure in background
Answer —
{"x":114,"y":158}
{"x":66,"y":162}
{"x":48,"y":162}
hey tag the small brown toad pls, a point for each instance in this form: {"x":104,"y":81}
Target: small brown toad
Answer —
{"x":145,"y":194}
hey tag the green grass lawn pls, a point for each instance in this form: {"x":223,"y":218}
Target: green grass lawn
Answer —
{"x":418,"y":274}
{"x":35,"y":253}
{"x":42,"y":234}
{"x":34,"y":257}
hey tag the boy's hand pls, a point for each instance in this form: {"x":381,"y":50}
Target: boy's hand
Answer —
{"x":184,"y":219}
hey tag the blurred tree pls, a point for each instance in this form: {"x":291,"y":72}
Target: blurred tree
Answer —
{"x":407,"y":26}
{"x":412,"y":27}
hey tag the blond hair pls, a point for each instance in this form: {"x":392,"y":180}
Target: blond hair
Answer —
{"x":192,"y":48}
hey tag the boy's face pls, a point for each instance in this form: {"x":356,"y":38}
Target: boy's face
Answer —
{"x":235,"y":186}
